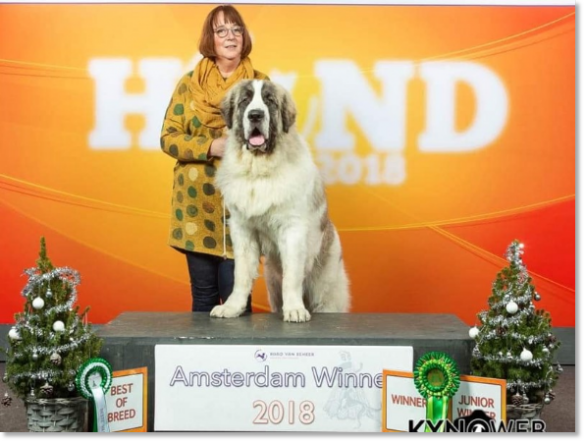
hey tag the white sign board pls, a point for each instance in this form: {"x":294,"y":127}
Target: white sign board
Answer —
{"x":272,"y":388}
{"x":486,"y":394}
{"x":402,"y":402}
{"x":126,"y":401}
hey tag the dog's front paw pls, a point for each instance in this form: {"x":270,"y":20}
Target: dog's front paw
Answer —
{"x":226,"y":311}
{"x":299,"y":315}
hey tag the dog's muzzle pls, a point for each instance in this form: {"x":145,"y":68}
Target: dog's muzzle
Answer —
{"x":256,"y":139}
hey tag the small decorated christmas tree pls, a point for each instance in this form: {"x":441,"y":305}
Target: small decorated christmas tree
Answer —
{"x":514,"y":341}
{"x":50,"y":339}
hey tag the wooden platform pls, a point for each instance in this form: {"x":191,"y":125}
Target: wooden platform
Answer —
{"x":130,"y":339}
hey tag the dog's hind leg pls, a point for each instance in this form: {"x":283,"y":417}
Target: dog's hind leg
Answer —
{"x":274,"y":281}
{"x":331,"y":296}
{"x":329,"y":290}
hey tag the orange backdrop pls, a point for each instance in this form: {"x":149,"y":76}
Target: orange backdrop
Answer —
{"x":424,"y":229}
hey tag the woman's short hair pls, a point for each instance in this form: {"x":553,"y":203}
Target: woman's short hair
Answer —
{"x":231,"y":15}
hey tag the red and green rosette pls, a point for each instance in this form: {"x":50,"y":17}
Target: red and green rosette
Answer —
{"x":437,"y":379}
{"x":93,"y":380}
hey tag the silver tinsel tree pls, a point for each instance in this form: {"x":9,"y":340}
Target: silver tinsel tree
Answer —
{"x":514,"y":340}
{"x":50,"y":339}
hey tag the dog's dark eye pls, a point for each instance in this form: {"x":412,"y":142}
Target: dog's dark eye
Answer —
{"x":270,"y":98}
{"x":245,"y":98}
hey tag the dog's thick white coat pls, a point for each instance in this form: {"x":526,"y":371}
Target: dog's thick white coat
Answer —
{"x":278,"y":209}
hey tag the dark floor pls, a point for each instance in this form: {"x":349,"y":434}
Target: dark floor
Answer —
{"x":560,"y":415}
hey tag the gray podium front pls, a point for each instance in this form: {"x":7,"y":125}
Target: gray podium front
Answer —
{"x":130,"y":339}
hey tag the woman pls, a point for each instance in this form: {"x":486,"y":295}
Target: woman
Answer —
{"x":193,"y":134}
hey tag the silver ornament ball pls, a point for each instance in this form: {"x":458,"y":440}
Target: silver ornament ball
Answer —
{"x":526,"y":355}
{"x":38,"y":303}
{"x":55,"y":358}
{"x":512,"y":307}
{"x":58,"y":326}
{"x":13,"y":334}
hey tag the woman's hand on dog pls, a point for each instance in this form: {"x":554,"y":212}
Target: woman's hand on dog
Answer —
{"x":218,"y":147}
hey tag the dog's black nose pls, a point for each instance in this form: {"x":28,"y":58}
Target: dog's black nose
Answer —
{"x":256,"y":115}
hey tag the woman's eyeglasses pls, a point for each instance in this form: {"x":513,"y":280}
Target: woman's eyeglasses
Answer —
{"x":237,"y":31}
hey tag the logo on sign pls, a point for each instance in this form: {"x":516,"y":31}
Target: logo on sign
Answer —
{"x":260,"y":355}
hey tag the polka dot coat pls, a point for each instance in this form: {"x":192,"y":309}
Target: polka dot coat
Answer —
{"x":198,"y":221}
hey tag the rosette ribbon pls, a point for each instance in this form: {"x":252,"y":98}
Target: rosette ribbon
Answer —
{"x":437,"y":379}
{"x":93,"y":380}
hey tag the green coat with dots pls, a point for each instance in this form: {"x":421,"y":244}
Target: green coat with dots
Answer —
{"x":198,"y":221}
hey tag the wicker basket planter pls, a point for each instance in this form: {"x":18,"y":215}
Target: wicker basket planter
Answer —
{"x":531,"y":411}
{"x":56,"y":414}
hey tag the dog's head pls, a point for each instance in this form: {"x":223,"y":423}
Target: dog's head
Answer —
{"x":258,"y":112}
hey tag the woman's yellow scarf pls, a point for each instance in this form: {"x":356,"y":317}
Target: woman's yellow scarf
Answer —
{"x":208,"y":89}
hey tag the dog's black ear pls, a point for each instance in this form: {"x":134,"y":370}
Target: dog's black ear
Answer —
{"x":227,"y":108}
{"x":288,"y":110}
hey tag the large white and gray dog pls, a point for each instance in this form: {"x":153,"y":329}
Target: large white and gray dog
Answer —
{"x":278,"y":207}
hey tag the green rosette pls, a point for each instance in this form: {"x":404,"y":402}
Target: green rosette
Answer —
{"x":437,"y":379}
{"x":93,"y":380}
